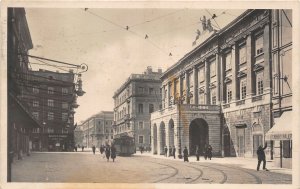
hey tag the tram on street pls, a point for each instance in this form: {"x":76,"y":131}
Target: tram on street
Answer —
{"x":124,"y":145}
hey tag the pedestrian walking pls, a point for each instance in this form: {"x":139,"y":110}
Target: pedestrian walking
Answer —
{"x":113,"y":153}
{"x":82,"y":148}
{"x":101,"y":149}
{"x":166,"y":151}
{"x":197,"y":153}
{"x":209,"y":152}
{"x":261,"y":157}
{"x":94,"y":149}
{"x":170,"y":151}
{"x":174,"y":152}
{"x":107,"y":152}
{"x":75,"y":148}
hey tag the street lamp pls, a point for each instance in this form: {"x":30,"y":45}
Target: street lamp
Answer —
{"x":179,"y":102}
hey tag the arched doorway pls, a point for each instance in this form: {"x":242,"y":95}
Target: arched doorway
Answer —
{"x":154,"y":139}
{"x":171,"y":133}
{"x":198,"y":135}
{"x":162,"y":137}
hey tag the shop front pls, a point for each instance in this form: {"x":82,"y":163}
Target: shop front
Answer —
{"x":281,"y":135}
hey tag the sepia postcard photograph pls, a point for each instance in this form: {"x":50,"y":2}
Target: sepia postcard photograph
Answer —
{"x":149,"y":94}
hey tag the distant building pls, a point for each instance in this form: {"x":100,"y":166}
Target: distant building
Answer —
{"x":230,"y":90}
{"x":97,"y":130}
{"x":134,"y":101}
{"x":78,"y":135}
{"x":52,"y":100}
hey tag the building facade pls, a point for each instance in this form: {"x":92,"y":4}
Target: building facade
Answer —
{"x":97,"y":130}
{"x":52,"y":100}
{"x":20,"y":121}
{"x":134,"y":101}
{"x":221,"y":93}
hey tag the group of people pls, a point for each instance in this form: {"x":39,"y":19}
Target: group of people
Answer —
{"x":143,"y":149}
{"x":207,"y":153}
{"x":171,"y":151}
{"x":108,"y":152}
{"x":78,"y":146}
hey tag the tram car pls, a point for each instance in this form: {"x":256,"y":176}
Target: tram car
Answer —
{"x":124,"y":146}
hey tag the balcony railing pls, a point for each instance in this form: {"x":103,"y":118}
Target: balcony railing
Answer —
{"x":226,"y":106}
{"x":200,"y":107}
{"x":240,"y":102}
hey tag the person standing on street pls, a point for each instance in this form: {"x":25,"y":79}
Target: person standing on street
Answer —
{"x":174,"y":152}
{"x":107,"y":152}
{"x":166,"y":151}
{"x":170,"y":151}
{"x":94,"y":149}
{"x":82,"y":148}
{"x":113,"y":152}
{"x":209,"y":152}
{"x":197,"y":152}
{"x":101,"y":149}
{"x":205,"y":151}
{"x":185,"y":155}
{"x":261,"y":157}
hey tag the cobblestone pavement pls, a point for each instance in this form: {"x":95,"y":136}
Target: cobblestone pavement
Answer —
{"x":88,"y":168}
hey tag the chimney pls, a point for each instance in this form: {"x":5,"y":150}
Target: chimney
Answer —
{"x":149,"y":70}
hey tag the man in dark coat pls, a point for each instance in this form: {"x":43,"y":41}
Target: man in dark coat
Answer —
{"x":166,"y":151}
{"x":261,"y":157}
{"x":209,"y":152}
{"x":107,"y":152}
{"x":197,"y":152}
{"x":174,"y":152}
{"x":185,"y":155}
{"x":94,"y":149}
{"x":101,"y":149}
{"x":170,"y":151}
{"x":113,"y":152}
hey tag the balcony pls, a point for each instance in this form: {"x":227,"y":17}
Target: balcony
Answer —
{"x":199,"y":107}
{"x":240,"y":102}
{"x":226,"y":106}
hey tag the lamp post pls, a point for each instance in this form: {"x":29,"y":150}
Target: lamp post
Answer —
{"x":179,"y":102}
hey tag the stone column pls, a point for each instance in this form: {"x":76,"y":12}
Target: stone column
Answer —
{"x":221,"y":78}
{"x":234,"y":64}
{"x":218,"y":78}
{"x":168,"y":93}
{"x":187,"y":88}
{"x":250,"y":73}
{"x":207,"y":76}
{"x":267,"y":59}
{"x":195,"y":93}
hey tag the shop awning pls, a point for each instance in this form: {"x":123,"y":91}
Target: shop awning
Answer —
{"x":282,"y":130}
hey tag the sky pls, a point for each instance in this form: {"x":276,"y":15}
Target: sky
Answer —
{"x":99,"y":38}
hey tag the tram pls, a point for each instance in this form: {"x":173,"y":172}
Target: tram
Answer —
{"x":124,"y":145}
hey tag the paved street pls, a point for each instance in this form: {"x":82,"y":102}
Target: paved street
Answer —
{"x":85,"y":167}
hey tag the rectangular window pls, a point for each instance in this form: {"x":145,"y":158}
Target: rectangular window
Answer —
{"x":50,"y":90}
{"x":191,"y":80}
{"x":141,"y":125}
{"x":151,"y":90}
{"x":259,"y":44}
{"x":35,"y":90}
{"x":242,"y":54}
{"x":65,"y":105}
{"x":201,"y":75}
{"x":50,"y":130}
{"x":213,"y":96}
{"x":151,"y":108}
{"x":36,"y":115}
{"x":106,"y":137}
{"x":64,"y":91}
{"x":228,"y":61}
{"x":50,"y":116}
{"x":243,"y":88}
{"x":111,"y":137}
{"x":35,"y":103}
{"x":50,"y":103}
{"x":229,"y":93}
{"x":141,"y":139}
{"x":64,"y":116}
{"x":212,"y":68}
{"x":140,"y":109}
{"x":177,"y":88}
{"x":202,"y":98}
{"x":260,"y":83}
{"x":141,"y":90}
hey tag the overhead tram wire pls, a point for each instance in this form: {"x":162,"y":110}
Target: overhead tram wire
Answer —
{"x":128,"y":29}
{"x":213,"y":18}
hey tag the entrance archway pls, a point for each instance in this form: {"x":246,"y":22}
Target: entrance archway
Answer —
{"x":198,"y":135}
{"x":162,"y":137}
{"x":171,"y":133}
{"x":154,"y":139}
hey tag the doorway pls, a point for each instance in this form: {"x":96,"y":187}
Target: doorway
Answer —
{"x":198,"y":135}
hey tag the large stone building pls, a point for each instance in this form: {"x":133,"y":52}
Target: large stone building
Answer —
{"x":52,"y":98}
{"x":97,"y":130}
{"x":134,"y":101}
{"x":226,"y":90}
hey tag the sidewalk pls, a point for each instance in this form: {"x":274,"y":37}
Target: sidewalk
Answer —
{"x":248,"y":163}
